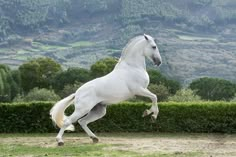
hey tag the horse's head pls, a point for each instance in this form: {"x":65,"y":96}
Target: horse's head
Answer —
{"x":151,"y":50}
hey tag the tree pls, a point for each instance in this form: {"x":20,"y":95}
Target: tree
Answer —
{"x":70,"y":77}
{"x":38,"y":73}
{"x":102,"y":67}
{"x":69,"y":89}
{"x":157,"y":78}
{"x":160,"y":91}
{"x":8,"y":86}
{"x":214,"y":88}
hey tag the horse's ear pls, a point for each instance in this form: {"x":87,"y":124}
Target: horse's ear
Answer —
{"x":145,"y":36}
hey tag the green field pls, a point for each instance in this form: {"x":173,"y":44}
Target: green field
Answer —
{"x":196,"y":38}
{"x":120,"y":145}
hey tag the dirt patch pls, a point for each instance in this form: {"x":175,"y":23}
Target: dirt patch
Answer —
{"x":206,"y":144}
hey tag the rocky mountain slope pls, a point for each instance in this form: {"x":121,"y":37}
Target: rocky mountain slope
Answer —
{"x":195,"y":38}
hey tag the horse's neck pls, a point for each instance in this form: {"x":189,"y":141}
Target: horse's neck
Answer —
{"x":134,"y":58}
{"x":136,"y":61}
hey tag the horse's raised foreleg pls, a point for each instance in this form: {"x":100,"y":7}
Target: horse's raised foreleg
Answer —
{"x":78,"y":113}
{"x":96,"y":113}
{"x":154,"y":109}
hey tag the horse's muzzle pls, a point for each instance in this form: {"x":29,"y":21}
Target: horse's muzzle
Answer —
{"x":156,"y":61}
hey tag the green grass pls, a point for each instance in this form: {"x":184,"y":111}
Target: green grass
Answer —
{"x":44,"y":145}
{"x":195,"y":38}
{"x":68,"y":150}
{"x":44,"y":47}
{"x":4,"y":50}
{"x":82,"y":44}
{"x":84,"y":150}
{"x":21,"y":52}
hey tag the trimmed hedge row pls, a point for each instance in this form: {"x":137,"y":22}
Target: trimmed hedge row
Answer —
{"x":127,"y":117}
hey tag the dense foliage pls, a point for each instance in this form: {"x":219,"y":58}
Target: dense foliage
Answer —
{"x":71,"y":76}
{"x":173,"y":117}
{"x":9,"y":84}
{"x":214,"y":88}
{"x":234,"y":99}
{"x":21,"y":15}
{"x":47,"y":73}
{"x":103,"y":67}
{"x":157,"y":78}
{"x":184,"y":95}
{"x":39,"y":72}
{"x":37,"y":94}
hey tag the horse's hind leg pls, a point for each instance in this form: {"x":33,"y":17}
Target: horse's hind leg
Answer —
{"x":78,"y":113}
{"x":96,"y":113}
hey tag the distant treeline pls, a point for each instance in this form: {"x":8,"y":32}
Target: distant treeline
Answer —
{"x":45,"y":73}
{"x":24,"y":16}
{"x":44,"y":79}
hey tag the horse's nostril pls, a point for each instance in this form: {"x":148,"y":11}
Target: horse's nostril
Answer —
{"x":156,"y":61}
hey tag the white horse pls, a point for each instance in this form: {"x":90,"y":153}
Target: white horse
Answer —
{"x":128,"y":78}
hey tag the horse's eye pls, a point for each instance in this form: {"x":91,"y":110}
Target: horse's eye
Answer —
{"x":154,"y":47}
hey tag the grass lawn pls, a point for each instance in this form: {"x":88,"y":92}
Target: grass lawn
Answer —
{"x":120,"y":145}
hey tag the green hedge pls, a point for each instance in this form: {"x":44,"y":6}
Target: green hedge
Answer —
{"x":127,"y":117}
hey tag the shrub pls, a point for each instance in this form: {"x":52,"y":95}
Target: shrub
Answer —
{"x":161,"y":91}
{"x":37,"y":94}
{"x":173,"y":117}
{"x":234,"y":99}
{"x":184,"y":95}
{"x":69,"y":89}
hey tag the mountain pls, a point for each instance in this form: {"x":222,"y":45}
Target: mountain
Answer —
{"x":195,"y":38}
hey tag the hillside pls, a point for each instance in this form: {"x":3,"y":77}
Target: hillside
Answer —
{"x":195,"y":38}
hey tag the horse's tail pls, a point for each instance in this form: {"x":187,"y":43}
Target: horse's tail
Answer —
{"x":57,"y":111}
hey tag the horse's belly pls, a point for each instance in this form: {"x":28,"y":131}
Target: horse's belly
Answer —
{"x":114,"y":93}
{"x":116,"y":97}
{"x":115,"y":100}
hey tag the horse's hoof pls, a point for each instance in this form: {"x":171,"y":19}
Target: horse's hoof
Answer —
{"x":146,"y":113}
{"x":60,"y":143}
{"x":95,"y":139}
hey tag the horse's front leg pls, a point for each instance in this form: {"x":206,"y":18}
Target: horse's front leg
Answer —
{"x":154,"y":109}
